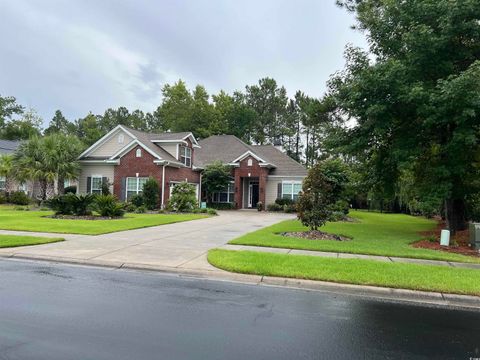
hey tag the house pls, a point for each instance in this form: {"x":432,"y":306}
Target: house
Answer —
{"x":8,"y":147}
{"x":124,"y":159}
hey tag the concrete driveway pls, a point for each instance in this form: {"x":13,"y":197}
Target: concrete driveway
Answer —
{"x":181,"y":245}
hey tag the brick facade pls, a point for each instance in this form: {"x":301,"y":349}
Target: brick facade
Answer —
{"x":253,"y":171}
{"x":130,"y":165}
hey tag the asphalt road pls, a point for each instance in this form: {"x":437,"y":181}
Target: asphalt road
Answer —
{"x":53,"y":311}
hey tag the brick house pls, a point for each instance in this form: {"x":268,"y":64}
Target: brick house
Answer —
{"x":125,"y":158}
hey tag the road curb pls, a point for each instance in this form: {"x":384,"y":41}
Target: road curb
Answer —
{"x":383,"y":293}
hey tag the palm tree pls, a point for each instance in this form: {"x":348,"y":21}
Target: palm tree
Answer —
{"x":6,"y":169}
{"x":47,"y":159}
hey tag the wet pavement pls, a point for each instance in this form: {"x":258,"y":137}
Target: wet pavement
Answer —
{"x":54,"y":311}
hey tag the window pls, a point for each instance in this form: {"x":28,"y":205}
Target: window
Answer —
{"x":96,"y":187}
{"x":138,"y":153}
{"x":290,"y":189}
{"x":121,"y":138}
{"x":3,"y":183}
{"x":66,"y":183}
{"x":186,"y":156}
{"x":135,"y":185}
{"x":23,"y":187}
{"x":249,"y":162}
{"x":227,"y":195}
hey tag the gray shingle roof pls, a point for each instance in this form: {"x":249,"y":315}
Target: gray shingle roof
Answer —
{"x":227,"y":148}
{"x":284,"y":164}
{"x":8,"y":146}
{"x":146,"y":139}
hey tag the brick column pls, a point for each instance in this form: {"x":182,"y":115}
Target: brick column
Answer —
{"x":262,"y":187}
{"x":238,"y":191}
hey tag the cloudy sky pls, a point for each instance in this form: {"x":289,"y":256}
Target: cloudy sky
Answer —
{"x":89,"y":55}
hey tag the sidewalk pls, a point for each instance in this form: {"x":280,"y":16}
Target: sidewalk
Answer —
{"x":350,"y":256}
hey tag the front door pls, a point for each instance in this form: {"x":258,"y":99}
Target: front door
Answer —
{"x":253,"y":194}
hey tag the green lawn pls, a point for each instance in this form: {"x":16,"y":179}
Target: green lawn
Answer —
{"x":374,"y":234}
{"x":11,"y":219}
{"x":16,"y":240}
{"x":350,"y":271}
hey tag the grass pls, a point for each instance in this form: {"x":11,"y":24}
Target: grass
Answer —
{"x":350,"y":271}
{"x":7,"y":241}
{"x":373,"y":234}
{"x":11,"y":219}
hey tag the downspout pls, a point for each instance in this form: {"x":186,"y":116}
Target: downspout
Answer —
{"x":200,"y":191}
{"x":163,"y":186}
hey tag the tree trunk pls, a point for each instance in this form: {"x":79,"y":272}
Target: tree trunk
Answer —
{"x":60,"y":185}
{"x":455,"y":215}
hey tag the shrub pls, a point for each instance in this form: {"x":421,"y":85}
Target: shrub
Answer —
{"x":71,"y":204}
{"x":141,"y":209}
{"x":151,"y":192}
{"x":284,"y":201}
{"x":183,"y":198}
{"x":108,"y":205}
{"x":105,"y":188}
{"x":341,"y":206}
{"x":61,"y":204}
{"x":316,"y":199}
{"x":274,"y":207}
{"x":129,"y":207}
{"x":222,"y":206}
{"x":337,"y":216}
{"x":211,"y":212}
{"x":82,"y":204}
{"x":3,"y":197}
{"x":291,"y":208}
{"x":259,"y":206}
{"x":19,"y":198}
{"x":137,"y":200}
{"x":70,"y":189}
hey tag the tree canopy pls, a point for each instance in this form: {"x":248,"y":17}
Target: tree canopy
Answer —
{"x":414,"y":98}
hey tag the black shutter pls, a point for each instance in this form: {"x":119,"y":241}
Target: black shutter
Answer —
{"x":279,"y":190}
{"x":124,"y":189}
{"x":89,"y":185}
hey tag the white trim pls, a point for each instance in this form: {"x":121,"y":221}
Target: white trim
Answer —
{"x":241,"y":157}
{"x":104,"y":138}
{"x":290,"y":182}
{"x":100,"y":162}
{"x":163,"y":187}
{"x":128,"y":148}
{"x":138,"y":190}
{"x":193,"y":138}
{"x":169,"y":141}
{"x":91,"y":183}
{"x":288,"y":176}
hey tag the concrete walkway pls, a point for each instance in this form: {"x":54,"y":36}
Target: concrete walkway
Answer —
{"x":351,"y":256}
{"x":179,"y":245}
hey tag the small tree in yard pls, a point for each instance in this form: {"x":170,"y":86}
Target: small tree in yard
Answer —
{"x":215,"y":177}
{"x":151,"y":192}
{"x":316,"y":199}
{"x":183,"y":198}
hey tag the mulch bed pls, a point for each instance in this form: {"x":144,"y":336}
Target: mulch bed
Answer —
{"x":315,"y":235}
{"x":86,"y":217}
{"x":459,"y":243}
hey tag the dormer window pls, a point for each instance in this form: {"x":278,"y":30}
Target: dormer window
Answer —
{"x":186,"y":156}
{"x":138,"y":153}
{"x":121,"y":138}
{"x":249,"y":162}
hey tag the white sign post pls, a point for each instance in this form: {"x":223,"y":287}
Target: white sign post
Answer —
{"x":445,"y":238}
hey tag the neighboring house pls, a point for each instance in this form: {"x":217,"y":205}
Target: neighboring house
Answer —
{"x":8,"y":147}
{"x":125,"y":158}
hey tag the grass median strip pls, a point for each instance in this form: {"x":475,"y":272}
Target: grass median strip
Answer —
{"x":11,"y":219}
{"x":350,"y":271}
{"x":372,"y":234}
{"x":7,"y":241}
